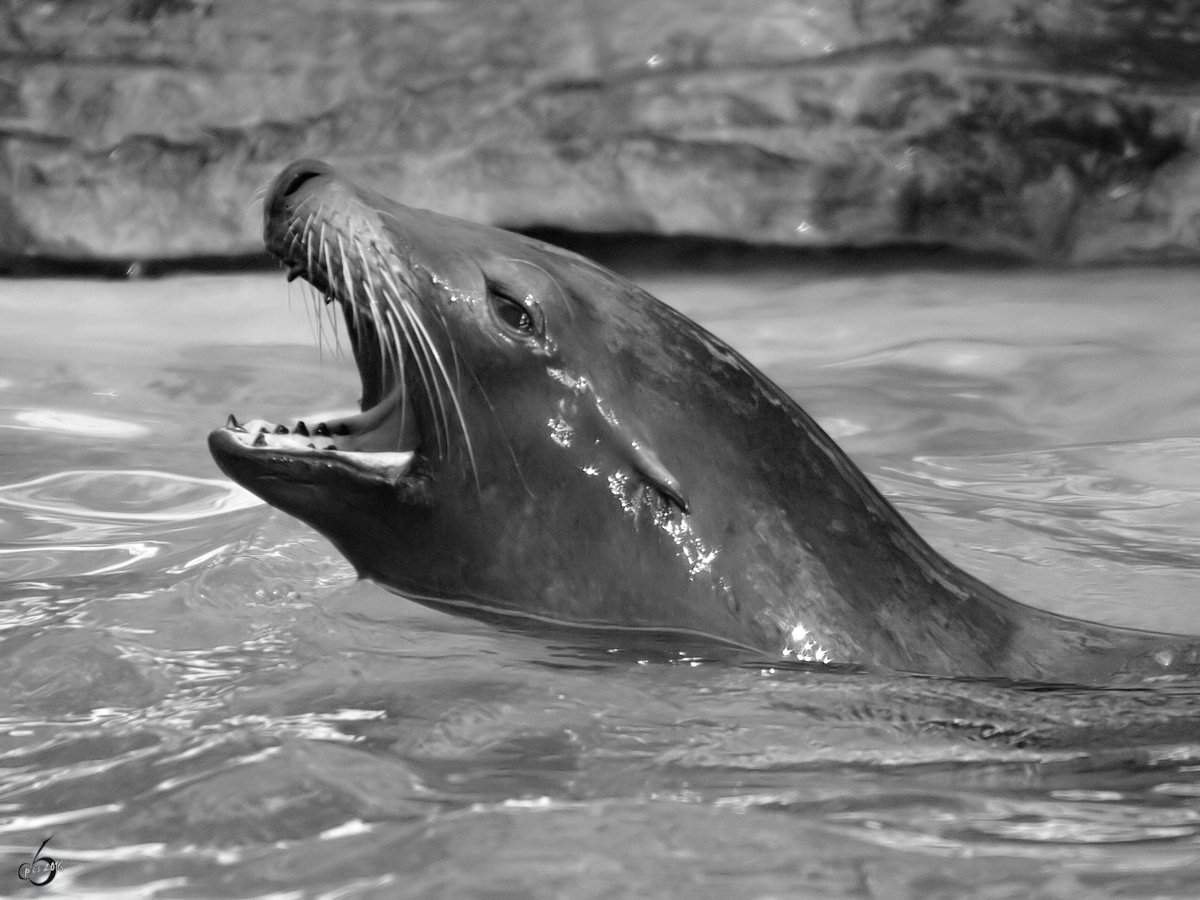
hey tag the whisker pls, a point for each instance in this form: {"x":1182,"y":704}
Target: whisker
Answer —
{"x":318,"y":323}
{"x":299,"y":232}
{"x":308,"y":244}
{"x":259,"y":194}
{"x":308,"y":313}
{"x":393,"y":350}
{"x":261,"y":190}
{"x":400,"y":314}
{"x":391,"y":345}
{"x":403,"y":381}
{"x":303,"y":235}
{"x":417,"y":341}
{"x":347,"y":281}
{"x":462,"y":420}
{"x":379,"y":259}
{"x":322,"y":251}
{"x":433,"y":359}
{"x":356,"y":315}
{"x":325,"y":258}
{"x":390,"y":352}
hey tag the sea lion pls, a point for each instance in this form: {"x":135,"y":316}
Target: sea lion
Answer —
{"x":542,"y":441}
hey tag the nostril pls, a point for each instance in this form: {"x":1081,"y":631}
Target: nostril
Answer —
{"x":298,"y":174}
{"x":296,"y":179}
{"x":288,"y":195}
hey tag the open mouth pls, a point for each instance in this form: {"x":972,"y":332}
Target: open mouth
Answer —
{"x":382,"y":441}
{"x":322,"y":231}
{"x":365,"y":442}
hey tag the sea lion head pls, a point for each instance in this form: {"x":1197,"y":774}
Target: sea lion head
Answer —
{"x":541,"y":440}
{"x":538,"y":437}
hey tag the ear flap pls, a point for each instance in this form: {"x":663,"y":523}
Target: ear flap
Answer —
{"x":638,"y":456}
{"x":642,"y":459}
{"x":650,"y":467}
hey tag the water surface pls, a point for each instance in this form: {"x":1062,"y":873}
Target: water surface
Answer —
{"x":197,"y":699}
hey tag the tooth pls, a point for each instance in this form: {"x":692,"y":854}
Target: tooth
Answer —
{"x":301,"y":429}
{"x":281,"y":429}
{"x":260,"y":440}
{"x":232,"y":423}
{"x":294,"y":273}
{"x":322,"y":430}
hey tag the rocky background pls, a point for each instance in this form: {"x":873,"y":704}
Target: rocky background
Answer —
{"x":1063,"y":130}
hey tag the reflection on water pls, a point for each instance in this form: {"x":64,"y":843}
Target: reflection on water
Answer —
{"x":198,"y":699}
{"x":1111,"y":528}
{"x":80,"y":524}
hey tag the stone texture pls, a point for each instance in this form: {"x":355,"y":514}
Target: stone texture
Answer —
{"x":1064,"y":129}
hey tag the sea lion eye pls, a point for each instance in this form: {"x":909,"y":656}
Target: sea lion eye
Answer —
{"x":511,"y":311}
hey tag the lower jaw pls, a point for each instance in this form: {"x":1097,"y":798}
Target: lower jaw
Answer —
{"x":379,"y":442}
{"x":324,"y":444}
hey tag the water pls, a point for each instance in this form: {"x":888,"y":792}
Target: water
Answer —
{"x":198,"y":700}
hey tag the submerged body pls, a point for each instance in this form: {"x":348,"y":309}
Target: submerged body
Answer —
{"x":543,"y":441}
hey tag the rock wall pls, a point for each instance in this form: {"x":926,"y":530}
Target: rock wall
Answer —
{"x":1064,"y":129}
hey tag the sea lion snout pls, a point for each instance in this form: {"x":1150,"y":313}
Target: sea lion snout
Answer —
{"x":285,"y":192}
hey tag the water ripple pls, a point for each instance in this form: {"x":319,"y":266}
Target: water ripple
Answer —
{"x":88,"y":523}
{"x":80,"y":424}
{"x":1137,"y":502}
